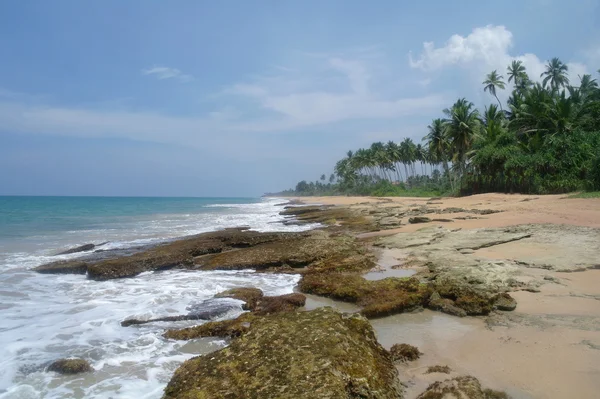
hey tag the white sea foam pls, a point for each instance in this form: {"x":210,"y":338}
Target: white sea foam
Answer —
{"x":49,"y":317}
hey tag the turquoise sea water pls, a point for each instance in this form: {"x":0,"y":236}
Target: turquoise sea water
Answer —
{"x":46,"y":317}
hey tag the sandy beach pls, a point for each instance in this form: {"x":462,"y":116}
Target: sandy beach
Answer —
{"x":549,"y":347}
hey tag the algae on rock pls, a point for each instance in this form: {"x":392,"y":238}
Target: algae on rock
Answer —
{"x":321,"y":353}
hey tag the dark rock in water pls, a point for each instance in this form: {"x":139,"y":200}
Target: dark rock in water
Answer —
{"x":265,"y":305}
{"x":404,"y":352}
{"x":81,"y":248}
{"x":70,"y":366}
{"x":63,"y":267}
{"x":317,"y":354}
{"x":206,"y":310}
{"x":460,"y":387}
{"x":249,"y":295}
{"x":419,"y":219}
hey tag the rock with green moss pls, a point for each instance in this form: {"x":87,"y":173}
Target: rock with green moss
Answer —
{"x":464,"y":387}
{"x":314,"y":251}
{"x":265,"y":305}
{"x":316,"y":354}
{"x":404,"y":352}
{"x":378,"y":298}
{"x":70,"y":366}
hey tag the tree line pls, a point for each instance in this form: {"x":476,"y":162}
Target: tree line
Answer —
{"x":546,"y":140}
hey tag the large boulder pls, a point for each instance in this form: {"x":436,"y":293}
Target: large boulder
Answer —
{"x":322,"y":354}
{"x":70,"y":366}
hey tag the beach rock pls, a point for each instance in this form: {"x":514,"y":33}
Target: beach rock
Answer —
{"x":82,"y":248}
{"x":464,"y":387}
{"x":63,"y":267}
{"x":282,"y":303}
{"x":181,"y":253}
{"x":345,"y":217}
{"x":504,"y":301}
{"x":70,"y":366}
{"x":445,"y":305}
{"x":322,"y":353}
{"x":404,"y":352}
{"x":205,"y":310}
{"x":225,"y":328}
{"x":389,"y":222}
{"x":265,"y":305}
{"x":249,"y":295}
{"x":438,"y":369}
{"x":419,"y":219}
{"x":316,"y":251}
{"x":378,"y":298}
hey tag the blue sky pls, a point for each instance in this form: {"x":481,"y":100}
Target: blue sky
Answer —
{"x":235,"y":98}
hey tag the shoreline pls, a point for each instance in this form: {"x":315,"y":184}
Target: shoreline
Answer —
{"x":540,"y":350}
{"x":519,"y":352}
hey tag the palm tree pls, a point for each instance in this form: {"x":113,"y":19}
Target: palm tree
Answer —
{"x":462,"y":125}
{"x":437,"y":141}
{"x":587,"y":85}
{"x":556,"y":73}
{"x":493,"y":122}
{"x":493,"y":81}
{"x":516,"y":71}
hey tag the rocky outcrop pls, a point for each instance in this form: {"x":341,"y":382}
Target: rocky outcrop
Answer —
{"x":465,"y":387}
{"x":404,"y":352}
{"x":82,"y":248}
{"x":419,"y":219}
{"x":180,"y":253}
{"x":259,"y":305}
{"x":322,"y":353}
{"x":70,"y":366}
{"x":63,"y":267}
{"x":378,"y":298}
{"x":314,"y":251}
{"x":249,"y":295}
{"x":205,"y":310}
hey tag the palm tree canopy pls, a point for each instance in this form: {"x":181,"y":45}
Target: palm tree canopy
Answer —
{"x":516,"y":72}
{"x":493,"y":81}
{"x":556,"y":73}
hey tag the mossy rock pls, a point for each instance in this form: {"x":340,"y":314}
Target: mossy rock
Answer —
{"x":465,"y":297}
{"x":504,"y":301}
{"x":464,"y":387}
{"x":438,"y":369}
{"x":378,"y":298}
{"x":249,"y":295}
{"x":225,"y":328}
{"x":316,"y":251}
{"x":266,"y":305}
{"x":316,"y":354}
{"x":404,"y":352}
{"x":70,"y":366}
{"x":181,"y":253}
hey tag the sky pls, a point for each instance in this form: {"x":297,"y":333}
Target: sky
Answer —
{"x":238,"y":98}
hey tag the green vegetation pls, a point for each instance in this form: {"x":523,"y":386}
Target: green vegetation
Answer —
{"x":590,"y":194}
{"x":547,"y":140}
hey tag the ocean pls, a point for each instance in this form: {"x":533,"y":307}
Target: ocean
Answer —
{"x":47,"y":317}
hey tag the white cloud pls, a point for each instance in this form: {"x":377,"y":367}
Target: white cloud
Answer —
{"x":483,"y":50}
{"x":161,"y":73}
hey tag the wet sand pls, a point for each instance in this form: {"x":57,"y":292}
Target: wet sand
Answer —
{"x":549,"y":347}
